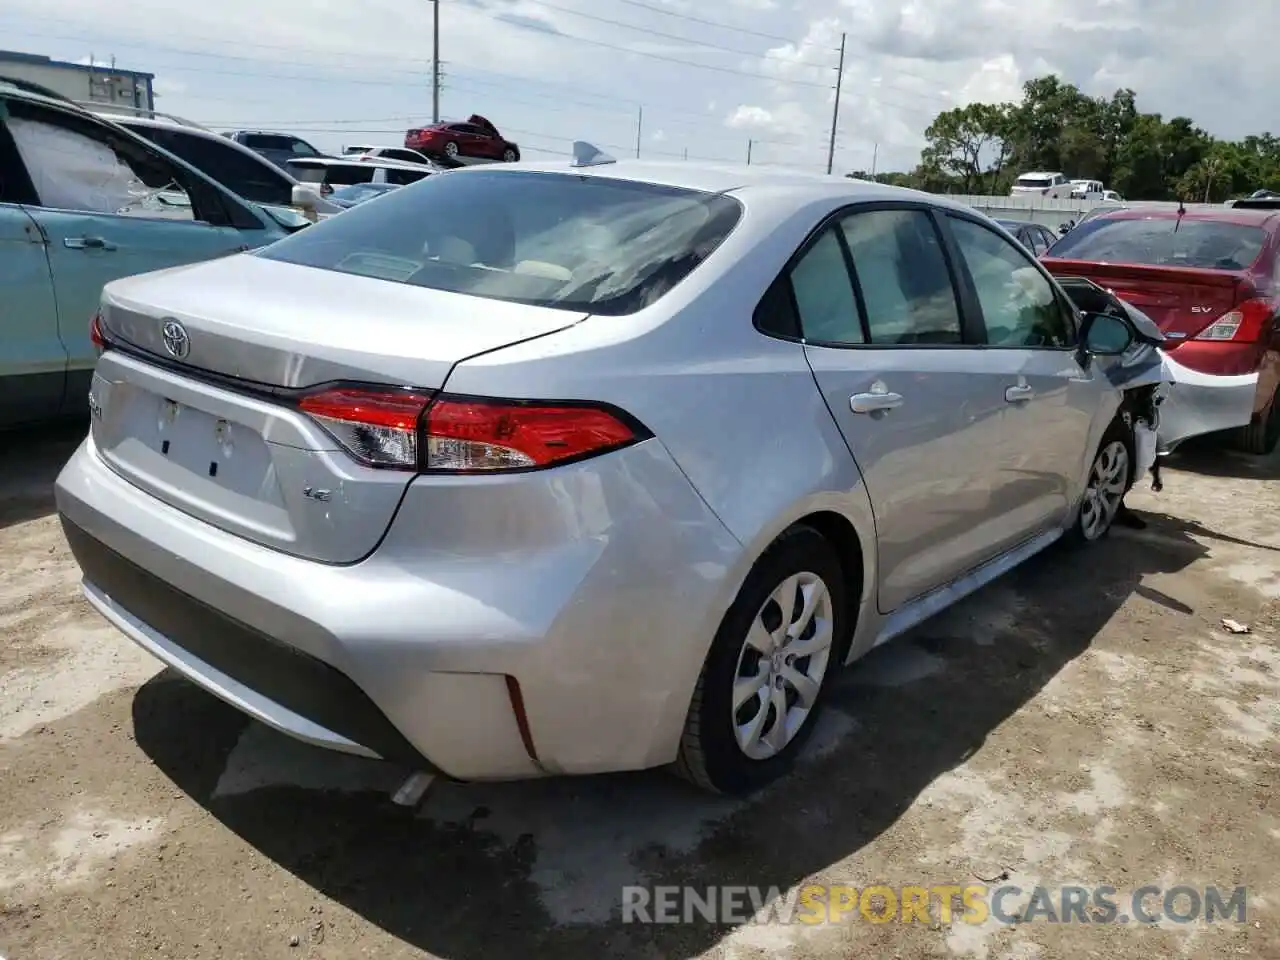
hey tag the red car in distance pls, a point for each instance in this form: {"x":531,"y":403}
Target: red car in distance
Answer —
{"x":1209,"y":277}
{"x":475,"y":140}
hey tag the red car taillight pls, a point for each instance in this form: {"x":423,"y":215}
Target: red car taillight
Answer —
{"x":96,"y":336}
{"x":413,"y":431}
{"x":377,"y":427}
{"x":1244,"y":323}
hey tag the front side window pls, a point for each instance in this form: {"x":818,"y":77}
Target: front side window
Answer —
{"x":301,"y":148}
{"x":588,"y":244}
{"x":1019,"y":304}
{"x":76,"y":164}
{"x":903,"y":277}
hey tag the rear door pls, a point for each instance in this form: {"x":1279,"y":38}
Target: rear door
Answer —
{"x":108,"y":207}
{"x":1053,"y":406}
{"x":902,"y":376}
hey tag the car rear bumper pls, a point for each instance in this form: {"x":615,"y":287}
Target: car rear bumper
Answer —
{"x":555,"y":626}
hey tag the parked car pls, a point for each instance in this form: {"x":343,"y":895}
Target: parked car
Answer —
{"x":1209,"y":278}
{"x":1087,"y":190}
{"x":403,"y":154}
{"x":356,"y":193}
{"x":1033,"y":236}
{"x":582,"y":468}
{"x":279,"y":148}
{"x":475,"y":141}
{"x":324,"y":175}
{"x":1054,"y":185}
{"x":1110,"y":196}
{"x":82,"y":202}
{"x":243,"y":171}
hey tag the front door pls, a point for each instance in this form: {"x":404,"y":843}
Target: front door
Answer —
{"x":892,"y":355}
{"x":1052,"y":401}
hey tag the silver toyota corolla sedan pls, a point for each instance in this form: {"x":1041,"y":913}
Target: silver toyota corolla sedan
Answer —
{"x":566,"y":468}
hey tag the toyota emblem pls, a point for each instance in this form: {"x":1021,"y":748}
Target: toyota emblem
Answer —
{"x":175,"y":339}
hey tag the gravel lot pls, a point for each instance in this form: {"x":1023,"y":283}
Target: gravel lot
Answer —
{"x":1087,"y":721}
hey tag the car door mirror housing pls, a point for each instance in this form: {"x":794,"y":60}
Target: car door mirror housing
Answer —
{"x":1106,"y":335}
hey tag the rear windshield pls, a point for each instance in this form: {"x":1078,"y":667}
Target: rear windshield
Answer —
{"x":1034,"y":181}
{"x":588,"y":244}
{"x":1165,"y":242}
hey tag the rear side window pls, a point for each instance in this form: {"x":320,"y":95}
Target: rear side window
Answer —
{"x":588,"y":244}
{"x":824,"y":293}
{"x":1165,"y":242}
{"x":903,"y":277}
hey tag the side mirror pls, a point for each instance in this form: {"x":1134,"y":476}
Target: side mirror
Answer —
{"x":1106,"y":335}
{"x":305,"y":199}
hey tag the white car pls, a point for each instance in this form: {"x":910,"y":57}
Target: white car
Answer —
{"x":1087,"y":190}
{"x":403,"y":154}
{"x":1110,"y":196}
{"x":1043,"y":184}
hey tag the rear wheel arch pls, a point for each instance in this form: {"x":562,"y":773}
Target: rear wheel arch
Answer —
{"x":840,"y":532}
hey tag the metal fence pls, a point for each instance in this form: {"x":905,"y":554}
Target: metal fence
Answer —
{"x":1051,"y":211}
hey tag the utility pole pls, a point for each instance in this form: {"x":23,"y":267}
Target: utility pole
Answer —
{"x":749,"y":143}
{"x":686,"y":153}
{"x":835,"y":113}
{"x":639,"y":127}
{"x":435,"y":61}
{"x":875,"y":153}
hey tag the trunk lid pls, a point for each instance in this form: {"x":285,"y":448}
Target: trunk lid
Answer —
{"x":1183,"y":301}
{"x":215,"y":432}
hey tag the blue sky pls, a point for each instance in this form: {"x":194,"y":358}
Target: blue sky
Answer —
{"x":709,"y":77}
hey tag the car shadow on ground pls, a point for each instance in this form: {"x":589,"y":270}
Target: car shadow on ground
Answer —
{"x":1214,"y":456}
{"x":30,"y":460}
{"x":536,"y":869}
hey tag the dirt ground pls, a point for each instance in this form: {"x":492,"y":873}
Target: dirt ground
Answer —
{"x":1087,"y":721}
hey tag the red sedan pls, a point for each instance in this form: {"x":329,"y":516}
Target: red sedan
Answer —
{"x":1209,"y":277}
{"x":475,"y":141}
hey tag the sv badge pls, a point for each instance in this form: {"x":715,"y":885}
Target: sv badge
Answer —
{"x":311,"y":493}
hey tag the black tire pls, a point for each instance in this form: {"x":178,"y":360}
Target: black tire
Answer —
{"x":451,"y":150}
{"x":710,"y":756}
{"x":1082,"y":533}
{"x":510,"y":155}
{"x":1263,"y":434}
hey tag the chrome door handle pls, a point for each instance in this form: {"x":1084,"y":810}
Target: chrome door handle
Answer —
{"x":1019,"y":393}
{"x":87,"y":243}
{"x":871,"y":402}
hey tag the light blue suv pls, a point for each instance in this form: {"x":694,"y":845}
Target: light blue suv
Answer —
{"x":83,"y":202}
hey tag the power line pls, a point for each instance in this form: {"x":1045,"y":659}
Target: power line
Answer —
{"x":658,"y":56}
{"x":708,"y":23}
{"x":673,"y":36}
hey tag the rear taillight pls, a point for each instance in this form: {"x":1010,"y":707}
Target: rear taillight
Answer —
{"x":96,"y":336}
{"x":377,"y":427}
{"x":409,"y":430}
{"x":1243,"y":323}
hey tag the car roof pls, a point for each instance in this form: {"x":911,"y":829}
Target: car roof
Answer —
{"x":1006,"y":223}
{"x":1042,"y":173}
{"x":1267,"y":219}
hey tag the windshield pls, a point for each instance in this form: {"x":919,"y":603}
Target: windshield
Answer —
{"x":582,"y":243}
{"x":1202,"y":244}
